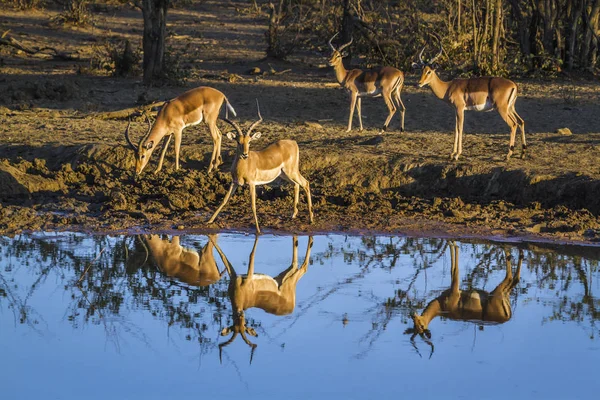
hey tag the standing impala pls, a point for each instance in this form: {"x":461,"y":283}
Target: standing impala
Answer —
{"x":187,"y":109}
{"x":256,"y":168}
{"x":273,"y":295}
{"x":186,"y":265}
{"x":469,"y":305}
{"x":384,"y":81}
{"x":479,"y":94}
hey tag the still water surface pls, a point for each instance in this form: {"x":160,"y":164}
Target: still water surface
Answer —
{"x":159,"y":317}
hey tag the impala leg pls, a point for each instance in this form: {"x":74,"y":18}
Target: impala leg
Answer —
{"x":178,"y":135}
{"x":309,"y":200}
{"x":230,"y":193}
{"x":461,"y":120}
{"x":253,"y":200}
{"x":401,"y":105}
{"x":219,"y":158}
{"x":215,"y":135}
{"x":511,"y":121}
{"x":454,"y":272}
{"x":521,"y":124}
{"x":392,"y":109}
{"x":162,"y":154}
{"x":296,"y":196}
{"x":353,"y":99}
{"x":456,"y":135}
{"x":358,"y":108}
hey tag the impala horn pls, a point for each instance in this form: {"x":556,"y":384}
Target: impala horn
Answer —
{"x":439,"y":52}
{"x":342,"y":47}
{"x":255,"y":124}
{"x":129,"y":142}
{"x":331,"y":45}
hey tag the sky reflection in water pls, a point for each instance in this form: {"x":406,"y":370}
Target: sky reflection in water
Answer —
{"x":100,"y":317}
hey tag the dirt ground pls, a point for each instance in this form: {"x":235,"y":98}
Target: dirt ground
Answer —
{"x":63,"y":167}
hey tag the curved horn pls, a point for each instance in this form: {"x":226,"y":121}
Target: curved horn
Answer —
{"x":421,"y":56}
{"x":255,"y":124}
{"x":133,"y":146}
{"x":439,"y":53}
{"x":331,"y":45}
{"x":248,"y":342}
{"x":149,"y":128}
{"x":221,"y":345}
{"x":429,"y":342}
{"x":234,"y":124}
{"x":342,"y":47}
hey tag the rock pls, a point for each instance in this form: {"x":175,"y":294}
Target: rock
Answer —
{"x":314,"y":125}
{"x":564,"y":131}
{"x":373,"y":141}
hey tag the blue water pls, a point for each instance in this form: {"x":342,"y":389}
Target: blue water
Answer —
{"x":97,"y":317}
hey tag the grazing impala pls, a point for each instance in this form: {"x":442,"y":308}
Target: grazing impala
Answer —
{"x":261,"y":167}
{"x":479,"y":94}
{"x":273,"y":295}
{"x":469,"y":305}
{"x":186,"y":265}
{"x":190,"y":108}
{"x":384,"y":81}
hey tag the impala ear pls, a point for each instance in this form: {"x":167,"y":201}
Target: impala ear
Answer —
{"x":251,"y":332}
{"x":256,"y":135}
{"x":149,"y":145}
{"x":416,"y":65}
{"x":345,"y":54}
{"x":226,"y":331}
{"x":230,"y":135}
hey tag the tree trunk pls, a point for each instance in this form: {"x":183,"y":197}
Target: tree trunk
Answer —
{"x":347,"y":24}
{"x":475,"y":43}
{"x":496,"y":37}
{"x":155,"y":29}
{"x":590,"y":22}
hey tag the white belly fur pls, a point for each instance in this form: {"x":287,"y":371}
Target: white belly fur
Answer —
{"x":374,"y":93}
{"x":268,"y":176}
{"x":194,"y":123}
{"x":487,"y":106}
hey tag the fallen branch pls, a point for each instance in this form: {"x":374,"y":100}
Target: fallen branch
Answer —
{"x":6,"y":40}
{"x":128,"y":112}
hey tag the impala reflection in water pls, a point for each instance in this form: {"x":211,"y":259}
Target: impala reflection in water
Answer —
{"x":145,"y":315}
{"x":470,"y":304}
{"x":274,"y":295}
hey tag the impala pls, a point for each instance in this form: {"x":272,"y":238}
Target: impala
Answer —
{"x":187,"y":109}
{"x":261,"y":167}
{"x":384,"y":81}
{"x":273,"y":295}
{"x":469,"y":305}
{"x":479,"y":94}
{"x":186,"y":265}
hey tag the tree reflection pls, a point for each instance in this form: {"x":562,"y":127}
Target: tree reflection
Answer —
{"x":177,"y":280}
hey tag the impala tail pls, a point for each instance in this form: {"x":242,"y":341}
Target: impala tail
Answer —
{"x":229,"y":108}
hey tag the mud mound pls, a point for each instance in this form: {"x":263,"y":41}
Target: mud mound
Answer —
{"x":56,"y":90}
{"x":26,"y":179}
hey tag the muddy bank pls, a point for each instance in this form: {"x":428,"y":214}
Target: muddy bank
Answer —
{"x":90,"y":187}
